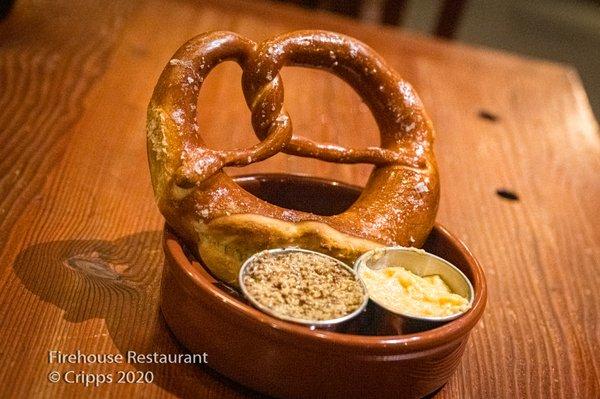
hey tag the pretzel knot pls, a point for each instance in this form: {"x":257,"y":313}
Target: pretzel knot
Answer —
{"x":395,"y":106}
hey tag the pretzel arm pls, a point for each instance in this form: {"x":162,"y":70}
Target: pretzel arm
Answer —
{"x":304,"y":147}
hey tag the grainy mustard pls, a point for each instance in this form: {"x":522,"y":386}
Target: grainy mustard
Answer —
{"x":303,"y":285}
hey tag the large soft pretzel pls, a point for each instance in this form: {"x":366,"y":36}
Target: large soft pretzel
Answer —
{"x":205,"y":206}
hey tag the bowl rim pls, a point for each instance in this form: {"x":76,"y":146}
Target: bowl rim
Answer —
{"x":200,"y":280}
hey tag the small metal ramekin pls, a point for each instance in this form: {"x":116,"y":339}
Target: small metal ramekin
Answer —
{"x":420,"y":263}
{"x":331,"y":324}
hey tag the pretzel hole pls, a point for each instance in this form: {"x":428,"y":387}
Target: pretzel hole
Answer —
{"x":223,"y":117}
{"x":325,"y":108}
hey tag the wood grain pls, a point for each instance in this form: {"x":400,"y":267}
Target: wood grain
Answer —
{"x":80,"y":255}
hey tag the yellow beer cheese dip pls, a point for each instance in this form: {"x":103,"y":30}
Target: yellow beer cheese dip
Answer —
{"x":404,"y":292}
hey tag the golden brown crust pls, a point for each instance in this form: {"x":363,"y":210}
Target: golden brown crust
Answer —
{"x":204,"y":205}
{"x":225,"y":242}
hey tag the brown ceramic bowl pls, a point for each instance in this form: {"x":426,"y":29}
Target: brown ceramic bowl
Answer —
{"x":287,"y":360}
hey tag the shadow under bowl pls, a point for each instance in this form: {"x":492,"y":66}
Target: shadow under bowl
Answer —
{"x":288,"y":360}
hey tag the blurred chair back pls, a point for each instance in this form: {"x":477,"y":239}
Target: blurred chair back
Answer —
{"x":393,"y":12}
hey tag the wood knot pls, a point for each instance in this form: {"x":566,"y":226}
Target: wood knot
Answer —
{"x":93,"y":264}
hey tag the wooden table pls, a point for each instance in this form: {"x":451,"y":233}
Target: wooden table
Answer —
{"x":80,"y":249}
